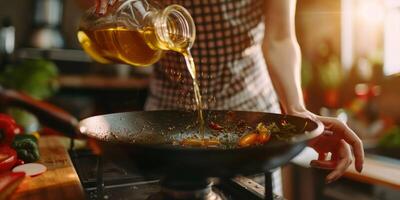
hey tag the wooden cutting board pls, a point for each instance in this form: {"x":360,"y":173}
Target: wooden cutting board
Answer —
{"x":60,"y":181}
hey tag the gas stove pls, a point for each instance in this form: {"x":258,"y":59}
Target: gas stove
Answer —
{"x":105,"y":178}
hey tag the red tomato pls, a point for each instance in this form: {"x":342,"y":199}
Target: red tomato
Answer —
{"x":8,"y":129}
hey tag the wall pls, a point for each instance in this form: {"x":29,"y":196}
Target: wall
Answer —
{"x":21,"y":14}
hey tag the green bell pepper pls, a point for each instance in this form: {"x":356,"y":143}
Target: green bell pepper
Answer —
{"x":26,"y":147}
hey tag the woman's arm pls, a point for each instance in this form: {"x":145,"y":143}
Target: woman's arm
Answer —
{"x":282,"y":53}
{"x":283,"y":58}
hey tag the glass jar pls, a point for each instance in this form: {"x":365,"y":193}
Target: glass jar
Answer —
{"x":136,"y":32}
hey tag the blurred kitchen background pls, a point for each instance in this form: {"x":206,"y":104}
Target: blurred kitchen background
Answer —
{"x":351,"y":66}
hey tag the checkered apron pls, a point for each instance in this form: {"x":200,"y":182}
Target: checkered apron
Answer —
{"x":229,"y":61}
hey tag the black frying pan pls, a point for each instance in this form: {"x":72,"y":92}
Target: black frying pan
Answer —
{"x":147,"y":138}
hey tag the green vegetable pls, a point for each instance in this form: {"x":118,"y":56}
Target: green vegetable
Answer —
{"x":26,"y":147}
{"x":37,"y":78}
{"x":273,"y":127}
{"x":391,"y":138}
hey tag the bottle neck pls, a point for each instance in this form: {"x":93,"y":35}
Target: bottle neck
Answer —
{"x":171,"y":29}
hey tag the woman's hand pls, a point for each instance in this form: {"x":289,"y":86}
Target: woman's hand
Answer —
{"x":102,"y":5}
{"x":338,"y":140}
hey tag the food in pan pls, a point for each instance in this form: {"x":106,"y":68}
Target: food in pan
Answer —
{"x":255,"y":136}
{"x":215,"y":126}
{"x":196,"y":142}
{"x":260,"y":135}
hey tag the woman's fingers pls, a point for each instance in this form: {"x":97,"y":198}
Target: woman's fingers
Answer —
{"x":111,"y":2}
{"x":323,"y":164}
{"x":101,"y":6}
{"x":358,"y":150}
{"x":339,"y":162}
{"x":343,"y":162}
{"x":350,"y":137}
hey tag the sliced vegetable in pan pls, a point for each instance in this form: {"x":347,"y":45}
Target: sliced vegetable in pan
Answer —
{"x":260,"y":135}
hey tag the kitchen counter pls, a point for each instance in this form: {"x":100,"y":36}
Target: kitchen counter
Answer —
{"x":60,"y":181}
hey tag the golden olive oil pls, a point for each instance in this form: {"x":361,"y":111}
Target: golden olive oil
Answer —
{"x":89,"y":45}
{"x":118,"y":45}
{"x":196,"y":89}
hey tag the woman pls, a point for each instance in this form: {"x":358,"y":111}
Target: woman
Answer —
{"x":233,"y":38}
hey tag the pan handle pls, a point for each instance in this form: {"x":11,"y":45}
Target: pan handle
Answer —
{"x":49,"y":115}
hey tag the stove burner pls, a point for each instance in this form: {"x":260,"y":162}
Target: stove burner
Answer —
{"x":109,"y":179}
{"x":175,"y":189}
